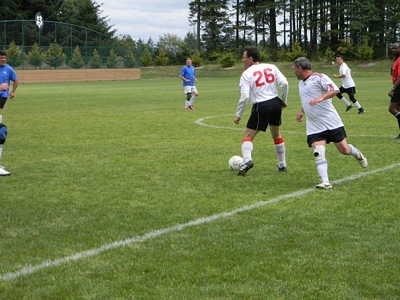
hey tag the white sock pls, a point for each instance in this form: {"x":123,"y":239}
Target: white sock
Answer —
{"x":321,"y":163}
{"x":1,"y":119}
{"x":192,"y":100}
{"x":186,"y":104}
{"x":1,"y":150}
{"x":357,"y":104}
{"x":280,"y":151}
{"x":354,"y":151}
{"x":247,"y":148}
{"x":344,"y":100}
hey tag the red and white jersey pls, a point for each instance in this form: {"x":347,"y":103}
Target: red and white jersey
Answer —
{"x":323,"y":116}
{"x":347,"y":81}
{"x":259,"y":83}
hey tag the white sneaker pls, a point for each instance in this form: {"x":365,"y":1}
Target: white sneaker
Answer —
{"x":362,"y":160}
{"x":323,"y":185}
{"x":3,"y":172}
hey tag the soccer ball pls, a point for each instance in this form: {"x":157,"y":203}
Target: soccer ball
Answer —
{"x":235,"y":162}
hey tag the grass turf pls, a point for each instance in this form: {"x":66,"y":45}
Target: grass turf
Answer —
{"x":101,"y":162}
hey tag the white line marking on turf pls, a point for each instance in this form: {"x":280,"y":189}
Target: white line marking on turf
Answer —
{"x":153,"y":234}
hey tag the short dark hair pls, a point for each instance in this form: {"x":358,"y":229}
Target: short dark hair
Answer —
{"x":303,"y":62}
{"x":3,"y":53}
{"x":252,"y":51}
{"x":338,"y":55}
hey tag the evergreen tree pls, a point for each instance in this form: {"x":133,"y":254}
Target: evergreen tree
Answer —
{"x":146,"y":59}
{"x":95,"y":62}
{"x":55,"y":56}
{"x":76,"y":61}
{"x":14,"y":55}
{"x":129,"y":60}
{"x":36,"y":56}
{"x":112,"y":62}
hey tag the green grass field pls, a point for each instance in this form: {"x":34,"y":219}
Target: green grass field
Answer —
{"x":117,"y":192}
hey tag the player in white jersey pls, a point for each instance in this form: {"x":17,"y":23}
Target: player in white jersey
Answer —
{"x":348,"y":85}
{"x":323,"y":123}
{"x":258,"y":84}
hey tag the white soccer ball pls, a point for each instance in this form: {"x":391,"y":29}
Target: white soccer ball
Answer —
{"x":235,"y":162}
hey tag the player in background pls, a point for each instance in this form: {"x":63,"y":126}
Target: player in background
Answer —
{"x":7,"y":74}
{"x":188,"y":76}
{"x":323,"y":123}
{"x":348,"y":85}
{"x":258,"y":84}
{"x":394,"y":94}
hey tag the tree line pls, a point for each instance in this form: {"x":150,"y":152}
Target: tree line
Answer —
{"x":358,"y":29}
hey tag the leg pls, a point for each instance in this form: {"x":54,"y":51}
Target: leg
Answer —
{"x":247,"y":148}
{"x":280,"y":148}
{"x":394,"y":109}
{"x":348,"y":149}
{"x":188,"y":96}
{"x":193,"y":97}
{"x":343,"y":99}
{"x":321,"y":164}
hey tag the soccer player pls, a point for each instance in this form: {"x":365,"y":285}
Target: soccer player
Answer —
{"x":188,"y":78}
{"x":394,"y":94}
{"x":7,"y":75}
{"x":348,"y":85}
{"x":259,"y":84}
{"x":323,"y":123}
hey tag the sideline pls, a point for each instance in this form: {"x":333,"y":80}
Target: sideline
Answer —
{"x":156,"y":233}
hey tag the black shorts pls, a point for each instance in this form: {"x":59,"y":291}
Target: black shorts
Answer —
{"x":349,"y":91}
{"x":335,"y":135}
{"x":396,"y":96}
{"x":265,"y":113}
{"x":2,"y":102}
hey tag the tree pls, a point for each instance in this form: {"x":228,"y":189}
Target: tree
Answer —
{"x":76,"y":61}
{"x":146,"y":59}
{"x":55,"y":56}
{"x":36,"y":56}
{"x":161,"y":58}
{"x":95,"y":62}
{"x":14,"y":55}
{"x":129,"y":60}
{"x":112,"y":62}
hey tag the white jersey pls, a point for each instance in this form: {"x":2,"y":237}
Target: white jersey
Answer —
{"x":347,"y":81}
{"x":259,"y":83}
{"x":323,"y":116}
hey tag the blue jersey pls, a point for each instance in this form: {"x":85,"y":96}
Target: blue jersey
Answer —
{"x":188,"y":73}
{"x":7,"y":74}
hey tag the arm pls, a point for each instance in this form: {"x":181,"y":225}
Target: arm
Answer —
{"x":15,"y":85}
{"x":327,"y":95}
{"x":300,"y":115}
{"x":241,"y":107}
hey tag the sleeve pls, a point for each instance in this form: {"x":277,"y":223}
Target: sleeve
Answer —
{"x":244,"y":96}
{"x":281,"y":80}
{"x":328,"y":85}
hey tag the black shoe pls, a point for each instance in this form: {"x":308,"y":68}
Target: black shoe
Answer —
{"x":361,"y":111}
{"x":282,"y":169}
{"x":349,"y":107}
{"x":245,"y":167}
{"x":397,"y":137}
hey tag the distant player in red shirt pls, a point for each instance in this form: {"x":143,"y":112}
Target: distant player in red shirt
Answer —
{"x":394,"y":94}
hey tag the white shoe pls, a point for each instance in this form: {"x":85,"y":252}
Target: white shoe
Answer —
{"x":3,"y":172}
{"x":323,"y":185}
{"x":362,"y":160}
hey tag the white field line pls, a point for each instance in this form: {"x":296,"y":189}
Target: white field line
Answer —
{"x":153,"y":234}
{"x":201,"y":123}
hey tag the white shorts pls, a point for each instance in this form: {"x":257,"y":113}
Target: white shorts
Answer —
{"x":189,"y":89}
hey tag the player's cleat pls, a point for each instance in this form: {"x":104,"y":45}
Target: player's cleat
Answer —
{"x":191,"y":107}
{"x":362,"y":160}
{"x":281,"y":169}
{"x":397,"y":137}
{"x":187,"y":108}
{"x":4,"y":172}
{"x":349,"y":107}
{"x":323,"y":185}
{"x":245,"y":167}
{"x":361,"y":111}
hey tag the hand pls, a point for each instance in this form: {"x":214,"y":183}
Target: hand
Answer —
{"x":299,"y":116}
{"x":237,"y":120}
{"x":391,"y":93}
{"x":3,"y":87}
{"x":284,"y":104}
{"x":315,"y":101}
